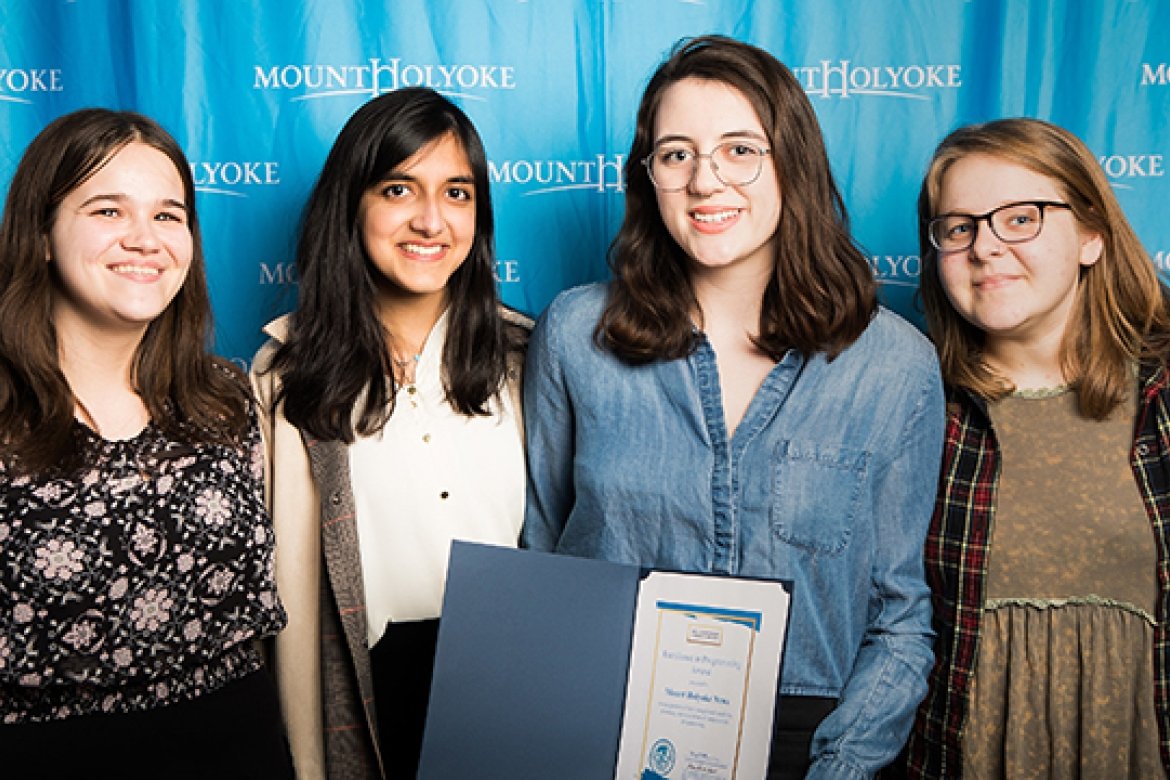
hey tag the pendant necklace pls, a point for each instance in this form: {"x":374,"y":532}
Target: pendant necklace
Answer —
{"x":406,"y":369}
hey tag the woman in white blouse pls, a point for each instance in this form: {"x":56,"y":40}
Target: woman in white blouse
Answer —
{"x":393,"y":427}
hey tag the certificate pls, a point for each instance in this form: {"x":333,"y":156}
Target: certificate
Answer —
{"x":701,"y":691}
{"x":550,"y":666}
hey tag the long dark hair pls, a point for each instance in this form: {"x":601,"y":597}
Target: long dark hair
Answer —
{"x":1120,"y":315}
{"x":336,"y":354}
{"x":821,"y":295}
{"x":189,"y":393}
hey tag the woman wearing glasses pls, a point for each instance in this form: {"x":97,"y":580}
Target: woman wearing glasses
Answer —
{"x":736,"y":402}
{"x":1050,"y":591}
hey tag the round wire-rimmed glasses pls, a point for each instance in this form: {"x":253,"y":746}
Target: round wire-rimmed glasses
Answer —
{"x":672,"y":166}
{"x":1011,"y":223}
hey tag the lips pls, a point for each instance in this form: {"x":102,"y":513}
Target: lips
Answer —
{"x":995,"y":281}
{"x":137,"y":272}
{"x":714,"y":220}
{"x":424,"y":251}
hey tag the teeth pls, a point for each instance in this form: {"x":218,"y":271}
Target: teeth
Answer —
{"x":719,"y":216}
{"x":425,"y":251}
{"x":136,"y":270}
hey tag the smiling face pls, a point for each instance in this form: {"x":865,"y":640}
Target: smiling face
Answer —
{"x":1022,"y":292}
{"x":120,"y":244}
{"x":418,"y":224}
{"x":719,"y":226}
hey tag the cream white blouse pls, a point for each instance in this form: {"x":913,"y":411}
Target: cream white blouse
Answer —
{"x":431,"y":476}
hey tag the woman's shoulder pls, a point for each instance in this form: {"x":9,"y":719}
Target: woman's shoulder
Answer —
{"x":263,"y":379}
{"x":890,"y":357}
{"x":577,"y":308}
{"x":515,"y":318}
{"x":892,"y":326}
{"x":890,"y":336}
{"x":277,"y":332}
{"x":517,"y":332}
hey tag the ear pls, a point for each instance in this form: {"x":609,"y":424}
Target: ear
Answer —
{"x":1092,"y":245}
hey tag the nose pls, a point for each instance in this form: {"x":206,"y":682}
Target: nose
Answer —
{"x":141,"y":235}
{"x":705,"y":179}
{"x":986,"y":242}
{"x":428,"y":218}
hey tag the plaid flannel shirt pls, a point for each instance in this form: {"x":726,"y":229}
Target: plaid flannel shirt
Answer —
{"x":956,"y":563}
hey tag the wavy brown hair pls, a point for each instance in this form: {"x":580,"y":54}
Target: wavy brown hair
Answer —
{"x":1120,"y":315}
{"x":822,"y":294}
{"x":190,"y":394}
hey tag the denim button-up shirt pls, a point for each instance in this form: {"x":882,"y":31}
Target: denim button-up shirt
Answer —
{"x":828,"y":481}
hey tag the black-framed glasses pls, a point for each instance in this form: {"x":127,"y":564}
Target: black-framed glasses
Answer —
{"x":672,"y":165}
{"x":1012,"y":223}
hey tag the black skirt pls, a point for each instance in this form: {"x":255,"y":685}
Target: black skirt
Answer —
{"x":797,"y":718}
{"x":402,"y":662}
{"x":234,"y":732}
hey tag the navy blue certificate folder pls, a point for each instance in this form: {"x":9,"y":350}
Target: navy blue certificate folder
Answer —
{"x":530,"y":671}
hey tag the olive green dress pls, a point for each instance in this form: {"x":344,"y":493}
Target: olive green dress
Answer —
{"x":1064,"y":679}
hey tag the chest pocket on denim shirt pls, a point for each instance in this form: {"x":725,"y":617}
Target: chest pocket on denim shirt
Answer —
{"x":816,"y":491}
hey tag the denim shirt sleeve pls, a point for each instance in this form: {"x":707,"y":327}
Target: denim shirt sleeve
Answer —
{"x":876,"y":708}
{"x":548,"y":419}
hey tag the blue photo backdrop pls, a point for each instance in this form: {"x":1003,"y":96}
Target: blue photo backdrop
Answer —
{"x":256,"y":91}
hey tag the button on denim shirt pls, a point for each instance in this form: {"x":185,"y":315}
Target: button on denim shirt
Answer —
{"x":828,"y":481}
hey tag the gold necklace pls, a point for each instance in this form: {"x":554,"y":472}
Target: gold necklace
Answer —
{"x":406,"y":371}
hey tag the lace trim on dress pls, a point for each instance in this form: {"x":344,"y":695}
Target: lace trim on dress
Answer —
{"x":1093,"y":601}
{"x":1034,"y":393}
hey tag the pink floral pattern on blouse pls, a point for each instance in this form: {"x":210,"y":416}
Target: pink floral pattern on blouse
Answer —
{"x":135,"y":583}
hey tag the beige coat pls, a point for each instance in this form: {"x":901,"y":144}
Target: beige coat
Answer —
{"x":321,"y":659}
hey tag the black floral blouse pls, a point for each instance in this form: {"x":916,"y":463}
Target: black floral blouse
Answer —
{"x":135,"y":583}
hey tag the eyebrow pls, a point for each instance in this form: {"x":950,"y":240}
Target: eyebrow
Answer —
{"x":120,"y":197}
{"x":1002,"y":205}
{"x":725,"y":137}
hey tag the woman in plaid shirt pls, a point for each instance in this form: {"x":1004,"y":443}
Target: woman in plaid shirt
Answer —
{"x":1050,"y":591}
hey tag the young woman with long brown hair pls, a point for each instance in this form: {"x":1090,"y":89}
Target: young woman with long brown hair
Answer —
{"x":392,"y":394}
{"x":735,"y":401}
{"x":135,"y":549}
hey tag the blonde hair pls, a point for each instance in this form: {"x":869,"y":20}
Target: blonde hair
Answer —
{"x":1120,"y":315}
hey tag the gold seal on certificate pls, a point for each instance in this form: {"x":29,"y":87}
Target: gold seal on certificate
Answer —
{"x":704,"y":665}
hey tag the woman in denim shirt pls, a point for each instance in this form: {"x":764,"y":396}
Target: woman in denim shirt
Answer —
{"x":735,"y":401}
